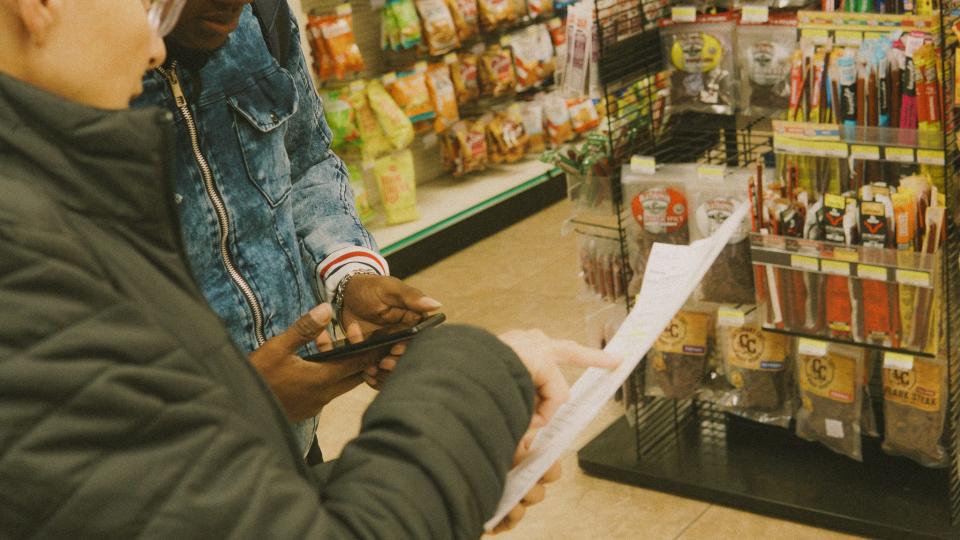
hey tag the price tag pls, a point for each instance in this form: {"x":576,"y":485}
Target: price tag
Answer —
{"x":683,"y":14}
{"x":847,"y":37}
{"x":816,"y":35}
{"x":897,"y":361}
{"x":912,"y":277}
{"x":876,"y":273}
{"x":837,"y":268}
{"x":755,"y":14}
{"x":812,"y":347}
{"x":730,"y":317}
{"x":834,"y":428}
{"x":833,"y":149}
{"x":859,"y":151}
{"x":903,"y":155}
{"x":711,"y":172}
{"x":931,"y":157}
{"x":643,"y":164}
{"x":810,"y":264}
{"x":344,"y":9}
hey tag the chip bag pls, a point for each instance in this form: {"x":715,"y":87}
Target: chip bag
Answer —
{"x":540,"y":8}
{"x":465,"y":18}
{"x":495,"y":13}
{"x":409,"y":90}
{"x":557,"y":120}
{"x":506,"y":138}
{"x":465,"y":75}
{"x":438,"y":26}
{"x":322,"y":63}
{"x":397,"y":183}
{"x":401,"y":24}
{"x":583,"y":115}
{"x":497,"y":77}
{"x":372,"y":139}
{"x":465,"y":147}
{"x":361,"y":200}
{"x":341,"y":117}
{"x":533,"y":124}
{"x":394,"y":123}
{"x":443,"y":95}
{"x":341,"y":43}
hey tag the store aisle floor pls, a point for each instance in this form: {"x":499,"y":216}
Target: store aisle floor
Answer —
{"x":524,"y":277}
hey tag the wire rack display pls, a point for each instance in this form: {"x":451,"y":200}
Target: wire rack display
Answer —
{"x":692,"y":448}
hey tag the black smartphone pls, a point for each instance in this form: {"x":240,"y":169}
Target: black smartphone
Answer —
{"x":377,"y":340}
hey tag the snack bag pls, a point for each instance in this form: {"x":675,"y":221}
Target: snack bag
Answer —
{"x":558,"y":37}
{"x":494,"y":13}
{"x":583,"y":115}
{"x":600,"y":266}
{"x":540,"y":8}
{"x":392,"y":120}
{"x":763,"y":60}
{"x":557,"y":120}
{"x":533,"y":125}
{"x":497,"y":77}
{"x":465,"y":147}
{"x":404,"y":24}
{"x":438,"y":26}
{"x":526,"y":60}
{"x":730,"y":279}
{"x":465,"y":75}
{"x":397,"y":183}
{"x":359,"y":187}
{"x":830,"y":378}
{"x":701,"y":55}
{"x":914,"y":407}
{"x":676,"y":366}
{"x":322,"y":63}
{"x":341,"y":43}
{"x":341,"y":117}
{"x":409,"y":90}
{"x":506,"y":139}
{"x":757,"y":366}
{"x":443,"y":95}
{"x":465,"y":18}
{"x":372,"y":139}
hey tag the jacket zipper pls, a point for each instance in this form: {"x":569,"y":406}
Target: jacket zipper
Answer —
{"x":217,"y":200}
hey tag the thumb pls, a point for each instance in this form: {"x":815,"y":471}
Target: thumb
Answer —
{"x":306,"y":329}
{"x":571,"y":353}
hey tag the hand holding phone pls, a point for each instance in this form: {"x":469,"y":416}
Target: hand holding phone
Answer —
{"x":383,"y":338}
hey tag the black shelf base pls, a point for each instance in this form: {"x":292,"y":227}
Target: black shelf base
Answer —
{"x":767,"y":470}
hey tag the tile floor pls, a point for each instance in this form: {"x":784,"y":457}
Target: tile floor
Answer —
{"x":539,"y":288}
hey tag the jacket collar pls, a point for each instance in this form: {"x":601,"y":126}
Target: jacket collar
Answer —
{"x":101,"y":163}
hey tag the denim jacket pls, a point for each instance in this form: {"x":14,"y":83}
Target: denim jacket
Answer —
{"x":266,"y":208}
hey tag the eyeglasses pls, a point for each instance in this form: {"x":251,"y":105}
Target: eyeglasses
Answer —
{"x":163,"y":15}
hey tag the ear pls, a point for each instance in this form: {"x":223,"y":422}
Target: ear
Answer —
{"x":39,"y":17}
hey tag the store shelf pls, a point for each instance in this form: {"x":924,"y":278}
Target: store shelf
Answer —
{"x":768,"y":470}
{"x":487,"y":202}
{"x":859,"y":142}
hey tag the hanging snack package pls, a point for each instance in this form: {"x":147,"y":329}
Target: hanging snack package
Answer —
{"x":914,"y":409}
{"x":438,"y":26}
{"x":540,"y":8}
{"x":465,"y":147}
{"x":322,"y":62}
{"x":557,"y":120}
{"x":506,"y":139}
{"x":756,"y":365}
{"x":533,"y":125}
{"x":341,"y":117}
{"x":730,"y":279}
{"x":763,"y":61}
{"x":677,"y":364}
{"x":361,"y":199}
{"x":659,"y":209}
{"x":465,"y":75}
{"x":341,"y":43}
{"x":465,"y":18}
{"x":397,"y":183}
{"x":495,"y":13}
{"x":404,"y":24}
{"x":600,"y":266}
{"x":497,"y":77}
{"x":409,"y":90}
{"x":443,"y":95}
{"x":526,"y":59}
{"x":392,"y":120}
{"x":830,"y":378}
{"x":583,"y":115}
{"x":558,"y":37}
{"x":372,"y":139}
{"x":702,"y":57}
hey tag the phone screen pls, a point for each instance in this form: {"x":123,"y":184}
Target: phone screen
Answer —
{"x":379,"y":339}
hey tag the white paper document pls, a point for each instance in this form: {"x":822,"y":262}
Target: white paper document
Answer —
{"x":671,"y":275}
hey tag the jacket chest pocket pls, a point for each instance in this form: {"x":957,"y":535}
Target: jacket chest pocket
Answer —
{"x":260,"y":120}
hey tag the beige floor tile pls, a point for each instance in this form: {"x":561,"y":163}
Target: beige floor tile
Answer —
{"x":720,"y":523}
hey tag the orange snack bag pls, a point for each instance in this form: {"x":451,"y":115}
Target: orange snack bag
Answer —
{"x":497,"y":77}
{"x":444,"y":97}
{"x":465,"y":17}
{"x":409,"y":90}
{"x":583,"y":114}
{"x":465,"y":75}
{"x":322,"y":62}
{"x":340,"y":42}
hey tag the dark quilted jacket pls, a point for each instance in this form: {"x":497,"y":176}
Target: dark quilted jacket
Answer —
{"x":125,"y":410}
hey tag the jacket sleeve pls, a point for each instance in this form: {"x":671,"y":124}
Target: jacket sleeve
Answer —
{"x":333,"y":241}
{"x":112,"y":430}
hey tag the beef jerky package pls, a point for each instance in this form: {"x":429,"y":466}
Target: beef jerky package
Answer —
{"x":658,"y":212}
{"x":763,"y":61}
{"x":914,"y":409}
{"x":757,"y":366}
{"x":830,"y":378}
{"x":701,"y":56}
{"x":677,"y":364}
{"x":730,"y":279}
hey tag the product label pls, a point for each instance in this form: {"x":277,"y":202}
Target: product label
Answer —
{"x":643,"y":164}
{"x":686,"y":334}
{"x":920,"y":387}
{"x":832,"y":376}
{"x":660,"y":210}
{"x":752,"y":348}
{"x":712,"y":213}
{"x":867,"y":271}
{"x":834,"y":428}
{"x":730,"y":317}
{"x":873,"y":224}
{"x":902,"y":155}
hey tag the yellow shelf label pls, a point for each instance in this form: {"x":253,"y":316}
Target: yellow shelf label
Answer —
{"x":802,"y":262}
{"x":903,"y":155}
{"x":876,"y":273}
{"x":812,"y":347}
{"x":711,"y":172}
{"x":859,"y":151}
{"x":931,"y":157}
{"x":913,"y":277}
{"x":815,"y":33}
{"x":837,"y":268}
{"x":846,"y":254}
{"x":755,"y":14}
{"x":643,"y":164}
{"x":897,"y":361}
{"x":730,"y":317}
{"x":847,"y":37}
{"x":832,"y":149}
{"x":683,"y":13}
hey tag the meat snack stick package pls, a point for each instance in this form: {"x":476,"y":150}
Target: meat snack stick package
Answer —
{"x":443,"y":95}
{"x":397,"y":183}
{"x":464,"y":72}
{"x":830,"y":379}
{"x":392,"y":120}
{"x":497,"y":77}
{"x":409,"y":90}
{"x":730,"y":279}
{"x":465,"y":18}
{"x":438,"y":26}
{"x":914,"y":409}
{"x":757,"y":366}
{"x":702,"y":57}
{"x":677,"y":365}
{"x":763,"y":61}
{"x":659,"y":212}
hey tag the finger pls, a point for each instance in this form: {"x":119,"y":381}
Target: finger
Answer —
{"x":535,"y":495}
{"x":553,"y":391}
{"x":396,"y":315}
{"x":553,"y":473}
{"x":372,"y":382}
{"x":389,"y":363}
{"x":516,"y":514}
{"x":371,"y":371}
{"x":571,"y":353}
{"x":324,"y":342}
{"x":354,"y":333}
{"x":399,"y":349}
{"x":401,"y":295}
{"x":306,"y":329}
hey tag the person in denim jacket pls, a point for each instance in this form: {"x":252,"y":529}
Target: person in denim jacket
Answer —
{"x":266,"y":208}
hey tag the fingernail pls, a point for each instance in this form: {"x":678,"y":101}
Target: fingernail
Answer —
{"x":321,"y":314}
{"x":371,"y":371}
{"x":430,"y":303}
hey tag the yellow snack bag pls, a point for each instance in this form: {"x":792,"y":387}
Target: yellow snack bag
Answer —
{"x":373,"y":141}
{"x":444,"y":97}
{"x":397,"y":182}
{"x":392,"y":120}
{"x":438,"y":26}
{"x":465,"y":17}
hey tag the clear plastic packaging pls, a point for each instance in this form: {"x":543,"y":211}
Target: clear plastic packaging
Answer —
{"x":702,"y":57}
{"x":601,"y":266}
{"x":830,"y":378}
{"x":677,"y":364}
{"x":914,"y":410}
{"x":763,"y":61}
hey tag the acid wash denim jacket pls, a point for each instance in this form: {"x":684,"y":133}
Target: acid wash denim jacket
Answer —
{"x":266,"y":208}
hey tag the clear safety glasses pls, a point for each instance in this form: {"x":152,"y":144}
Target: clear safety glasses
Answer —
{"x":163,"y":15}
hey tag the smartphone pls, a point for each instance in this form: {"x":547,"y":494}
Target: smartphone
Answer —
{"x":377,"y":340}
